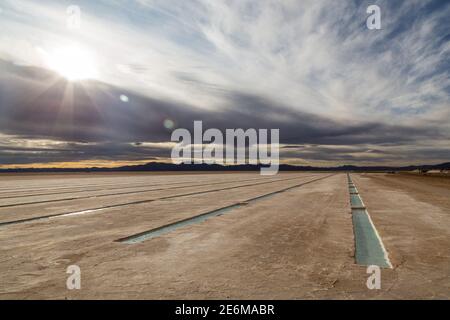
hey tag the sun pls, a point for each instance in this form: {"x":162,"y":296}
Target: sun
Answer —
{"x":73,"y":63}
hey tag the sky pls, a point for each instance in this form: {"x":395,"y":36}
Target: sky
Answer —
{"x":110,"y":90}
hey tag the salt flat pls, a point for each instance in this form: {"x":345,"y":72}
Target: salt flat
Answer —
{"x":295,"y":244}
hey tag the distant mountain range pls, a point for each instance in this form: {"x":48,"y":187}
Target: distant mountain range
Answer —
{"x":157,"y":166}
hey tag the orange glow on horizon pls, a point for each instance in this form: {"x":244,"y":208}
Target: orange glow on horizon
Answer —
{"x":85,"y":164}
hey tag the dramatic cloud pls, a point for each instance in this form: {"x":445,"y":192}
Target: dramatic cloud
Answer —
{"x":338,"y":92}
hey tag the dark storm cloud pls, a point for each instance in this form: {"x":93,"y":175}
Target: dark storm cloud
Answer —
{"x":64,"y":152}
{"x":367,"y":153}
{"x":91,"y":121}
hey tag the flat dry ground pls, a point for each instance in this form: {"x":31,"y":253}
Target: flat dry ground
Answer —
{"x":297,"y":244}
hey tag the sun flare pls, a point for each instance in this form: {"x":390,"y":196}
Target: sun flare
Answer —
{"x":73,"y":63}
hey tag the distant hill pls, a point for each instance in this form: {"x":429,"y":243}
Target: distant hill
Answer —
{"x":157,"y":166}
